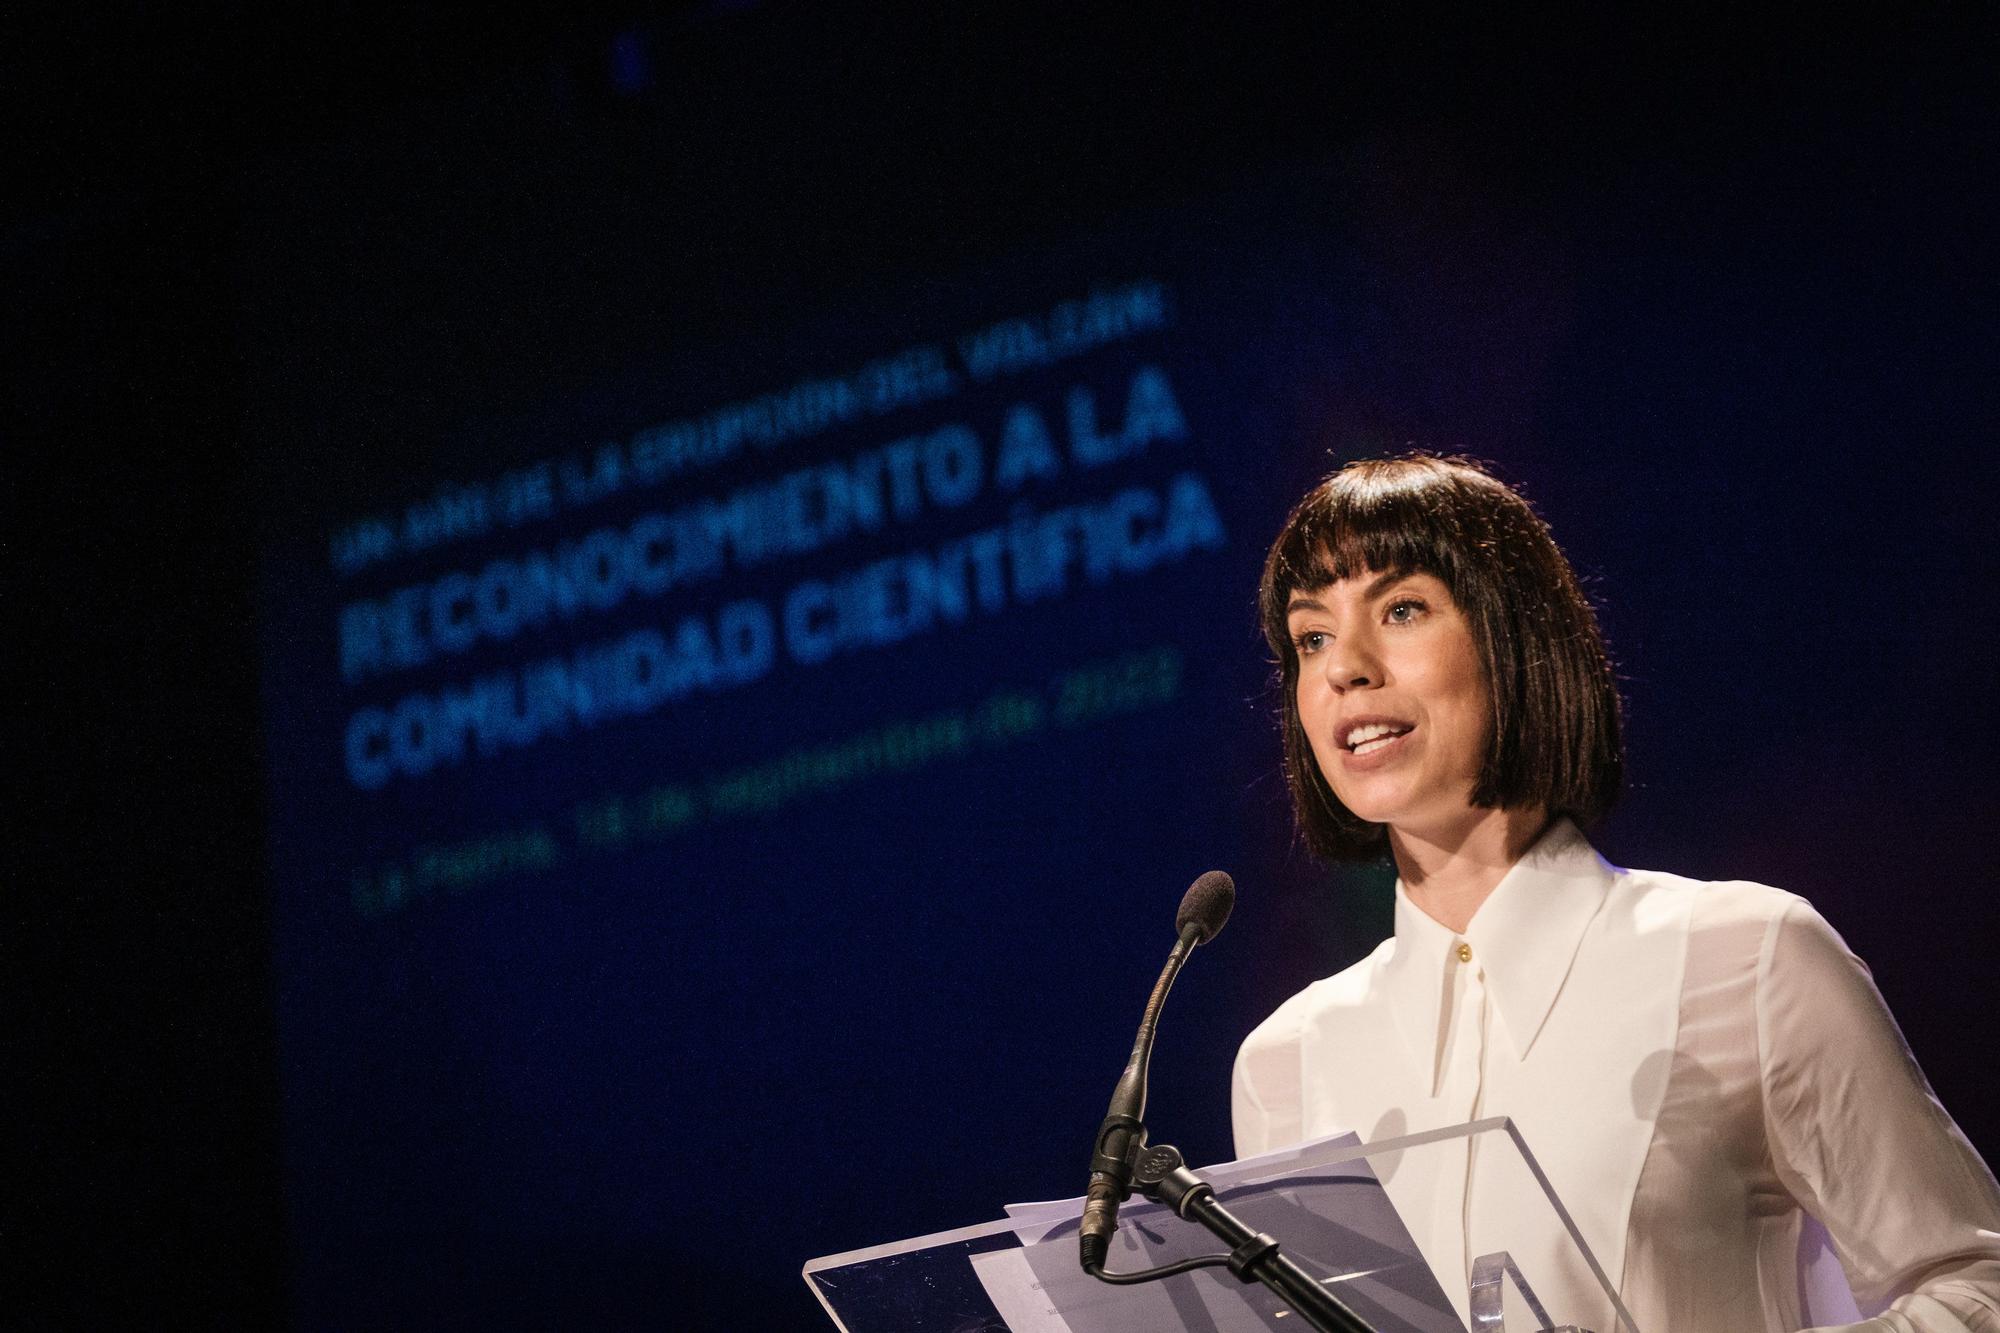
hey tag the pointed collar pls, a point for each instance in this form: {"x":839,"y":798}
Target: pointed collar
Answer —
{"x":1524,"y":936}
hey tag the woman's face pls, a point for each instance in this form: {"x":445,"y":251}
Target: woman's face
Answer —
{"x":1392,"y":697}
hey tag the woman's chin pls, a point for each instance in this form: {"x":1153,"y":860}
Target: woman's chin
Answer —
{"x":1375,"y":810}
{"x":1404,"y":810}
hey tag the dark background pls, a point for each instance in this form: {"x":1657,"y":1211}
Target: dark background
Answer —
{"x":1719,"y":293}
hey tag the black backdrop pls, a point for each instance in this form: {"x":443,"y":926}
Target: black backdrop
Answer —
{"x":1720,"y":301}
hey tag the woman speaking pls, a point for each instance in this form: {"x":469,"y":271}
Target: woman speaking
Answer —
{"x":1708,"y":1076}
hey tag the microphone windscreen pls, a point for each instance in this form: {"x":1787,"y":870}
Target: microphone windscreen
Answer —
{"x":1205,"y":905}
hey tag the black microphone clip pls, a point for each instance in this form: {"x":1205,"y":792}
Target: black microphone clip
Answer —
{"x":1120,"y":1140}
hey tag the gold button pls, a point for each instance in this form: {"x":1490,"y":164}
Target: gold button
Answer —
{"x":1465,"y":953}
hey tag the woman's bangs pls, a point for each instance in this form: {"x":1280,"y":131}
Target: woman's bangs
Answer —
{"x":1341,"y":536}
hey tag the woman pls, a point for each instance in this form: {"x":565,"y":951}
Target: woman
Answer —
{"x":1706,"y":1074}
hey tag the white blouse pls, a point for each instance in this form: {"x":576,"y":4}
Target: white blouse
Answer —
{"x":1708,"y":1076}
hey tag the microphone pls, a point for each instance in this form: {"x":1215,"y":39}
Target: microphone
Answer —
{"x":1204,"y":908}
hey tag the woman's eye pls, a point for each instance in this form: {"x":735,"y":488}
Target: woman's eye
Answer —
{"x":1309,"y":642}
{"x":1403,"y":612}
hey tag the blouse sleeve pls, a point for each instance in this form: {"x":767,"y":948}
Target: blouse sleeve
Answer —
{"x":1266,"y":1097}
{"x":1861,"y":1141}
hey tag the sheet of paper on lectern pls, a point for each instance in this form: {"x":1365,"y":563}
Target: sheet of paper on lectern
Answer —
{"x":1333,"y":1218}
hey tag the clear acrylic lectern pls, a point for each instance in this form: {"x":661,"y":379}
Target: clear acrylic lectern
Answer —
{"x":1329,"y":1203}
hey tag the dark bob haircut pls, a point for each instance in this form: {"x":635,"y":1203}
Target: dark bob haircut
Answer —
{"x":1555,"y":740}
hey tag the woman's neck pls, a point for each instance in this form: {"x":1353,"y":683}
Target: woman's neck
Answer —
{"x":1450,"y":872}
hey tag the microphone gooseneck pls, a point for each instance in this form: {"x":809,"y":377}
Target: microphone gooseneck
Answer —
{"x":1204,"y":909}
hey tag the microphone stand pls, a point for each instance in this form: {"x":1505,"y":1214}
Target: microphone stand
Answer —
{"x":1121,"y":1159}
{"x":1254,"y":1256}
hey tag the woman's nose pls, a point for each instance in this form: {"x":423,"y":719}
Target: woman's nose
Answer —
{"x":1351,"y":664}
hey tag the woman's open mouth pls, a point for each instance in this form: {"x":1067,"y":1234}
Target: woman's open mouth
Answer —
{"x":1368,"y":738}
